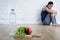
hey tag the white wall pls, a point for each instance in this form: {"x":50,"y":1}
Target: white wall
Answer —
{"x":3,"y":11}
{"x":27,"y":11}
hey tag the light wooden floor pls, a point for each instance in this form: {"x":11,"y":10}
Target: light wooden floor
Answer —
{"x":46,"y":32}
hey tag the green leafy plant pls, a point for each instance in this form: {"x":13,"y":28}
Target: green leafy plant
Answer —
{"x":20,"y":31}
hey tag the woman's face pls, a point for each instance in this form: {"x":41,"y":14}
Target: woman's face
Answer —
{"x":50,"y":6}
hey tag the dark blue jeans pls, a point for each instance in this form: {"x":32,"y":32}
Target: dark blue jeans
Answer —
{"x":49,"y":19}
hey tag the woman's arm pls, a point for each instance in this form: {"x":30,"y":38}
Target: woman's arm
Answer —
{"x":50,"y":10}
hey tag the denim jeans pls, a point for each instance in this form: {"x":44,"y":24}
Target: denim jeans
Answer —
{"x":48,"y":19}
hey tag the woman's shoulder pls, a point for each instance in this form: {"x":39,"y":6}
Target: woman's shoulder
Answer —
{"x":44,"y":8}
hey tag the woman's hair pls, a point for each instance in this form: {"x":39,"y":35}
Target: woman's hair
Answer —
{"x":50,"y":2}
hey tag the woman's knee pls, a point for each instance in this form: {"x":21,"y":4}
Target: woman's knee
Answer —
{"x":53,"y":15}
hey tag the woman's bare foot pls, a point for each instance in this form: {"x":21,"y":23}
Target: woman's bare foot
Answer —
{"x":56,"y":25}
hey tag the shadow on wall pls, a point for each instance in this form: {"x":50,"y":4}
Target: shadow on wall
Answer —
{"x":39,"y":15}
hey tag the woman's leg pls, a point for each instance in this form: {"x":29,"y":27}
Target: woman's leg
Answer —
{"x":53,"y":18}
{"x":47,"y":20}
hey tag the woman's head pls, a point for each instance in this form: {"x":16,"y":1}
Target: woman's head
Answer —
{"x":50,"y":4}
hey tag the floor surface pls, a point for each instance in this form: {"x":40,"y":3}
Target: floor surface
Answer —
{"x":46,"y":32}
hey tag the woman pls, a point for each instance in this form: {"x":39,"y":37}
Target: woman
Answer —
{"x":48,"y":15}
